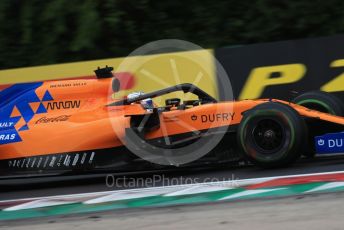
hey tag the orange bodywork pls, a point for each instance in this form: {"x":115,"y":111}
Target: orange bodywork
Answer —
{"x":76,"y":116}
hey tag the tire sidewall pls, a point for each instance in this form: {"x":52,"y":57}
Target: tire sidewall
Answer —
{"x":293,"y":127}
{"x":330,"y":102}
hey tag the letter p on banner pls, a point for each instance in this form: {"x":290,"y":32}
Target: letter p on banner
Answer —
{"x":261,"y":77}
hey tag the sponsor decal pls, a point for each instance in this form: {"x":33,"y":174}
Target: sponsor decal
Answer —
{"x":62,"y":85}
{"x":91,"y":157}
{"x":57,"y":105}
{"x":46,"y":162}
{"x":20,"y":99}
{"x":83,"y":158}
{"x":45,"y":120}
{"x":22,"y":164}
{"x":171,"y":119}
{"x":63,"y":160}
{"x":9,"y":136}
{"x":60,"y":161}
{"x":52,"y":161}
{"x":215,"y":117}
{"x":311,"y":64}
{"x":66,"y":161}
{"x":39,"y":162}
{"x":330,"y":143}
{"x":27,"y":162}
{"x":75,"y":160}
{"x":6,"y":124}
{"x":262,"y":77}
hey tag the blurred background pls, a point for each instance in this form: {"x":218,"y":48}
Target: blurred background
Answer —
{"x":39,"y":32}
{"x":268,"y":49}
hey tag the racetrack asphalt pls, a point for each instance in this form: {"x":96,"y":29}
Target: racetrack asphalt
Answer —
{"x":81,"y":184}
{"x":316,"y":212}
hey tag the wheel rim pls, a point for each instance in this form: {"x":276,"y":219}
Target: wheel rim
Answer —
{"x":268,"y":135}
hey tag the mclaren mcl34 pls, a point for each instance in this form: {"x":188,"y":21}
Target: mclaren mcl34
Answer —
{"x":75,"y":127}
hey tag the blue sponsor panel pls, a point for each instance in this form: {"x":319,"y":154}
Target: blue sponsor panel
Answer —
{"x":15,"y":91}
{"x":19,"y":97}
{"x":330,"y":143}
{"x":8,"y":123}
{"x":9,"y":136}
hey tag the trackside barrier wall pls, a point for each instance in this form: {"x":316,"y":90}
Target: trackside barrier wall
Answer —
{"x":276,"y":69}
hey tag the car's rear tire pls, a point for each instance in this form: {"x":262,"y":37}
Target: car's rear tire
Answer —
{"x":272,"y":135}
{"x":321,"y":101}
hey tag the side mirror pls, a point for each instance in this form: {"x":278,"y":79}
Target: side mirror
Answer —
{"x":192,"y":102}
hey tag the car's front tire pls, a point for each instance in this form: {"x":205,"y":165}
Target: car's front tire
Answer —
{"x":272,"y":135}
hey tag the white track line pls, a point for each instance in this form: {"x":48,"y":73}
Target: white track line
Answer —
{"x":238,"y":183}
{"x":327,"y":186}
{"x":249,"y":193}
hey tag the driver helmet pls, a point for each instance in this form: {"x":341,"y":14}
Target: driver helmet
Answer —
{"x":146,"y":103}
{"x":134,"y":95}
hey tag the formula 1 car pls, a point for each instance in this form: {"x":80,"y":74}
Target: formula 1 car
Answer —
{"x":74,"y":126}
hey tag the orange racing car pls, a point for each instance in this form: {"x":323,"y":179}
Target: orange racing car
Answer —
{"x":74,"y":126}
